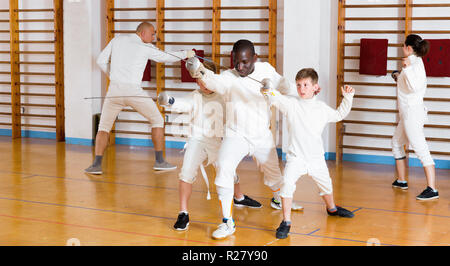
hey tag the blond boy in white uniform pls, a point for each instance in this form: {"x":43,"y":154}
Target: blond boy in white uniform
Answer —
{"x":306,"y":119}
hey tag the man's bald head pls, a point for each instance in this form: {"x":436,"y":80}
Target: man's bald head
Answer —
{"x":142,"y":26}
{"x":146,"y":31}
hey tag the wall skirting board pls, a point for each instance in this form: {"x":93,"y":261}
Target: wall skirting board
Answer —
{"x":360,"y":158}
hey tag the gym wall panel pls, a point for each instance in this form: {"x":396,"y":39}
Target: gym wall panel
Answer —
{"x":371,"y":124}
{"x":39,"y":90}
{"x":188,"y":25}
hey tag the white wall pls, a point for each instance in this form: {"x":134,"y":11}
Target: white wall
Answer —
{"x":82,"y":44}
{"x":393,"y":64}
{"x":310,"y":41}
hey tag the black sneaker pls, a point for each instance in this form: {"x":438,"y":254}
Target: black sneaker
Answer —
{"x":182,"y":222}
{"x":428,"y":194}
{"x":399,"y":185}
{"x":341,"y":212}
{"x":283,"y":230}
{"x":247,"y":202}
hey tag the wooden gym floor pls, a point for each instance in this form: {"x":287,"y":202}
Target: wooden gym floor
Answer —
{"x":47,"y":199}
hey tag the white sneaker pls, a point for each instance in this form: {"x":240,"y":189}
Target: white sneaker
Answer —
{"x":277,"y":205}
{"x":225,"y":229}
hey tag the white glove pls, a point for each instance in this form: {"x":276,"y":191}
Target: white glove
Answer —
{"x":164,"y":99}
{"x":195,"y":67}
{"x":267,"y":86}
{"x":395,"y":75}
{"x":190,"y":54}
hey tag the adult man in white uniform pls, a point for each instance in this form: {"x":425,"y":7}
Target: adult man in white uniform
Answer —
{"x":124,"y":60}
{"x":247,"y":127}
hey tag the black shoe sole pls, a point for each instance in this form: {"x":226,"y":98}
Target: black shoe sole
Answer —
{"x":425,"y":199}
{"x":281,"y":236}
{"x":182,"y":229}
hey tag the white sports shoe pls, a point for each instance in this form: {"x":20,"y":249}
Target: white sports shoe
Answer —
{"x":225,"y":229}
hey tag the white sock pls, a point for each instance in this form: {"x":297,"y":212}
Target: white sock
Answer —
{"x":402,"y":182}
{"x":276,"y":192}
{"x":226,"y":200}
{"x":239,"y":199}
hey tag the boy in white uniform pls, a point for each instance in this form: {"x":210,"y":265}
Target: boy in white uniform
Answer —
{"x":411,"y":88}
{"x":206,"y":110}
{"x":247,"y":127}
{"x":306,"y":119}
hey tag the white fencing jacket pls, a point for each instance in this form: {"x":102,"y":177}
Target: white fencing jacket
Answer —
{"x":129,"y":56}
{"x":248,"y":113}
{"x":306,"y":119}
{"x":411,"y":85}
{"x":206,"y":113}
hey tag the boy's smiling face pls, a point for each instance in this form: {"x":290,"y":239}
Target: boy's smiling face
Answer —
{"x":305,"y":88}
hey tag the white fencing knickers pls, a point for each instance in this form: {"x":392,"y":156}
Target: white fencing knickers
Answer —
{"x":196,"y":152}
{"x":142,"y":103}
{"x":231,"y":153}
{"x":295,"y":168}
{"x":410,"y":128}
{"x":235,"y":148}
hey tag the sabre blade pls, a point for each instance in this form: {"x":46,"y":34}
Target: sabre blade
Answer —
{"x":110,"y":97}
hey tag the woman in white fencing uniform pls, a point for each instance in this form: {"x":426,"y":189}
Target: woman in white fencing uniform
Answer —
{"x":411,"y":88}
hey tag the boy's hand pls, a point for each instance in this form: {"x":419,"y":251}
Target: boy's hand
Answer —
{"x":318,"y":90}
{"x":347,"y":90}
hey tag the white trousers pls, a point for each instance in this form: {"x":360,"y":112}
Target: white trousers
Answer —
{"x":235,"y":148}
{"x":410,"y":129}
{"x":141,"y":103}
{"x":295,"y":168}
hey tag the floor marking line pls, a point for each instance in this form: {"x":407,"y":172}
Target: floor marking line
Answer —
{"x":161,"y":217}
{"x":313,"y":231}
{"x":106,"y":229}
{"x":357,"y":209}
{"x":169,"y":188}
{"x":271,"y":242}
